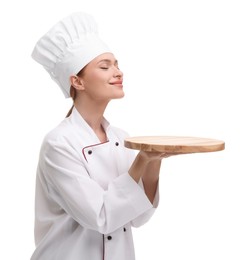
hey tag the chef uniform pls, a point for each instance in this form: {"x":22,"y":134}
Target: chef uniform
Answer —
{"x":86,"y":202}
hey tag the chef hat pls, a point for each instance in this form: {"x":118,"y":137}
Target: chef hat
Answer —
{"x":67,"y":47}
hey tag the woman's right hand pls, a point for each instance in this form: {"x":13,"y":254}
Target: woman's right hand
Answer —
{"x":146,"y":162}
{"x":147,"y":167}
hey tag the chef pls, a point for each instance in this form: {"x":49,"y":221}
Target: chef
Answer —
{"x":90,"y":189}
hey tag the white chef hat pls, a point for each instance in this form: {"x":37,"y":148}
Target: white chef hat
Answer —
{"x":67,"y":47}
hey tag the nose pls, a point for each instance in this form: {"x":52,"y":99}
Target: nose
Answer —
{"x":118,"y":73}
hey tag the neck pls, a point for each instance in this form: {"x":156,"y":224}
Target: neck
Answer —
{"x":92,"y":112}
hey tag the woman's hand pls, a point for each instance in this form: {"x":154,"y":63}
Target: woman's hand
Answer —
{"x":147,"y":166}
{"x":152,"y":156}
{"x":145,"y":160}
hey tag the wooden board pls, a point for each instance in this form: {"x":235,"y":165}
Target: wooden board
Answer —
{"x":174,"y":144}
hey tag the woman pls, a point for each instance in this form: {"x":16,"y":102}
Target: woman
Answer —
{"x":90,"y":189}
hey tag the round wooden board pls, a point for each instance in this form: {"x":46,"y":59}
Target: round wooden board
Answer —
{"x":174,"y":144}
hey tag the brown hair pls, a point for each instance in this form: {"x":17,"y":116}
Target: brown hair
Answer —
{"x":73,"y":93}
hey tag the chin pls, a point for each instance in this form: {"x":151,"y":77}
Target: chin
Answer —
{"x":122,"y":95}
{"x":119,"y":95}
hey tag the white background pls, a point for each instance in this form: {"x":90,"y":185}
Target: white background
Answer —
{"x":187,"y":67}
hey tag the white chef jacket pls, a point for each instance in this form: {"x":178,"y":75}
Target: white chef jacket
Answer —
{"x":86,"y":202}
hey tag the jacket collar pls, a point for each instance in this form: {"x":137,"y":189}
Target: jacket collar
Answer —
{"x":76,"y":117}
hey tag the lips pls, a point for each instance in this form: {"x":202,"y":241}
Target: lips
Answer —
{"x":118,"y":83}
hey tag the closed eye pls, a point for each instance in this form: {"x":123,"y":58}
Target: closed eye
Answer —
{"x":106,"y":63}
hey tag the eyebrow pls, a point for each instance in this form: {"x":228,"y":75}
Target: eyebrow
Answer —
{"x":108,"y":61}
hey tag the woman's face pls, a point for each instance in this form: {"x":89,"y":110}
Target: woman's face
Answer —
{"x":102,"y":78}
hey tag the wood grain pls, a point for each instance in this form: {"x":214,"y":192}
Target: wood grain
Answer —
{"x":174,"y":144}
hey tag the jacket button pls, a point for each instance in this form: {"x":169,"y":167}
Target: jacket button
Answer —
{"x":116,"y":143}
{"x":109,"y":237}
{"x":89,"y":152}
{"x":124,"y":229}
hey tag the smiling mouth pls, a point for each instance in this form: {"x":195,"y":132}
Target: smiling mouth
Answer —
{"x":117,"y":83}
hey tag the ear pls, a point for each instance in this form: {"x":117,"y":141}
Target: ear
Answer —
{"x":77,"y":82}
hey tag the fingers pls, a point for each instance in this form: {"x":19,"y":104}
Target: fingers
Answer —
{"x":155,"y":155}
{"x":166,"y":155}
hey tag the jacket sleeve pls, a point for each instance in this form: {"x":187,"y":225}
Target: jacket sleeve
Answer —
{"x":70,"y":186}
{"x":145,"y":217}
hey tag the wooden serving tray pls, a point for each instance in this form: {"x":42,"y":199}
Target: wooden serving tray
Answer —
{"x":174,"y":144}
